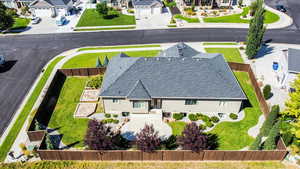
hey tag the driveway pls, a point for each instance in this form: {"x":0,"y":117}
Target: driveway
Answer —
{"x":46,"y":25}
{"x":138,"y":121}
{"x":156,"y":21}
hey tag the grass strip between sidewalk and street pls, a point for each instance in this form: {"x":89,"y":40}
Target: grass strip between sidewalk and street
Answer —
{"x":219,"y":43}
{"x":18,"y":124}
{"x":99,"y":29}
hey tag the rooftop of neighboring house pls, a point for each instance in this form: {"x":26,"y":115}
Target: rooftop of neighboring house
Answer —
{"x":50,"y":3}
{"x":294,"y":60}
{"x":147,"y":3}
{"x":178,"y":72}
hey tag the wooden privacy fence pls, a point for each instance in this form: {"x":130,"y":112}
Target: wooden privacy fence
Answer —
{"x":247,"y":68}
{"x":83,"y":71}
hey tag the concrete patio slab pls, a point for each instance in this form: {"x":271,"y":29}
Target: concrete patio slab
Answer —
{"x":85,"y":109}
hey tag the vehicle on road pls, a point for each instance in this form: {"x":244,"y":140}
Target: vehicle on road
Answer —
{"x":60,"y":20}
{"x":281,"y":8}
{"x":2,"y":60}
{"x":35,"y":20}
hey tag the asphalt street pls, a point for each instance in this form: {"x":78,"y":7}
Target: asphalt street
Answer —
{"x":27,"y":54}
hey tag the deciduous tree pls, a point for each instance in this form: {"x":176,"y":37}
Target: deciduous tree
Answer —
{"x":147,"y":139}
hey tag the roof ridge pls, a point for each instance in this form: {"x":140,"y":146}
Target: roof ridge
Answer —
{"x":136,"y":85}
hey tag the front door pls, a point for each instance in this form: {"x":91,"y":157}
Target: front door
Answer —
{"x":156,"y":103}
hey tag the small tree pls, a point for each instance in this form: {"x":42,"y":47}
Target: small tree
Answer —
{"x":270,"y":143}
{"x":98,"y":63}
{"x":106,"y":61}
{"x":99,"y":136}
{"x":147,"y":139}
{"x":37,"y":125}
{"x":193,"y":139}
{"x":102,"y":8}
{"x":6,"y":20}
{"x":256,"y":145}
{"x":267,"y":126}
{"x":49,"y":144}
{"x":267,"y":92}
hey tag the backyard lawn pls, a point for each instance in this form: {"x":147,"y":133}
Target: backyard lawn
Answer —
{"x":177,"y":127}
{"x":91,"y":17}
{"x":236,"y":18}
{"x":89,"y":59}
{"x":145,"y":165}
{"x":230,"y":54}
{"x":73,"y":129}
{"x":20,"y":23}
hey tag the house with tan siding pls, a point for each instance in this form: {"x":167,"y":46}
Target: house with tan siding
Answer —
{"x":179,"y":79}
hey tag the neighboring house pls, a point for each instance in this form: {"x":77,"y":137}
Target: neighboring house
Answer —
{"x":48,"y":8}
{"x":179,"y":79}
{"x":16,"y":3}
{"x":212,"y":3}
{"x":147,"y":8}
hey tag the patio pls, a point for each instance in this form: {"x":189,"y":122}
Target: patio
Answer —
{"x":138,"y":121}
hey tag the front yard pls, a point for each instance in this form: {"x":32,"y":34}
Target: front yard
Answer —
{"x":230,"y":54}
{"x":91,"y":17}
{"x":20,"y":23}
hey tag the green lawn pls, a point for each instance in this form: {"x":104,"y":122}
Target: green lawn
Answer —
{"x":230,"y":54}
{"x":91,"y":17}
{"x":177,"y":127}
{"x":236,"y":18}
{"x":219,"y":43}
{"x":89,"y":59}
{"x":20,"y":23}
{"x":119,"y":47}
{"x":146,"y":165}
{"x":14,"y":131}
{"x":189,"y":20}
{"x":234,"y":135}
{"x":99,"y":29}
{"x":73,"y":129}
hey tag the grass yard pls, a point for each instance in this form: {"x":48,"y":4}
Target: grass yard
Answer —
{"x":89,"y":59}
{"x":119,"y":47}
{"x":145,"y":165}
{"x":189,"y":20}
{"x":230,"y":54}
{"x":219,"y":43}
{"x":91,"y":17}
{"x":20,"y":23}
{"x":177,"y":127}
{"x":234,"y":135}
{"x":236,"y":18}
{"x":14,"y":131}
{"x":99,"y":29}
{"x":73,"y":129}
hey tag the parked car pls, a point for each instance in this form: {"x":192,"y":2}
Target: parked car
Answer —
{"x":2,"y":60}
{"x":281,"y":8}
{"x":35,"y":20}
{"x":60,"y":20}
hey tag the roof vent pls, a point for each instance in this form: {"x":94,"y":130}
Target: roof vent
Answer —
{"x":145,"y":59}
{"x":169,"y":59}
{"x":183,"y":59}
{"x":157,"y":58}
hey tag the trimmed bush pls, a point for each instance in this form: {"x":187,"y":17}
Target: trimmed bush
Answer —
{"x":107,"y":115}
{"x":95,"y":82}
{"x":170,"y":143}
{"x":233,"y":116}
{"x":202,"y":127}
{"x":115,"y":115}
{"x":209,"y":124}
{"x":267,"y":126}
{"x":110,"y":120}
{"x":215,"y":119}
{"x":267,"y":92}
{"x":203,"y":117}
{"x":270,"y":143}
{"x":256,"y":145}
{"x":193,"y":117}
{"x":178,"y":116}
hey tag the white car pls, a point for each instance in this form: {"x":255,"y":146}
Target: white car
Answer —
{"x":35,"y":20}
{"x":2,"y":60}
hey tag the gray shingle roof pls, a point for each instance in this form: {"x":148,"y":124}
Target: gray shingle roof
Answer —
{"x":146,"y":2}
{"x":294,"y":60}
{"x":49,"y":3}
{"x":202,"y":76}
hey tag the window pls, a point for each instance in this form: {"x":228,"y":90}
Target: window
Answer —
{"x":116,"y":101}
{"x":222,"y":103}
{"x":138,"y":104}
{"x":225,"y":1}
{"x":190,"y":102}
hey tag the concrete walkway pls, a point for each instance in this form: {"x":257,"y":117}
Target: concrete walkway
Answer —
{"x":254,"y":131}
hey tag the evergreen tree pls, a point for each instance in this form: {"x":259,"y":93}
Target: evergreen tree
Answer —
{"x":256,"y":145}
{"x":48,"y":142}
{"x":269,"y":122}
{"x":256,"y":31}
{"x":98,"y":63}
{"x":6,"y":20}
{"x":270,"y":143}
{"x":37,"y":125}
{"x":106,"y":61}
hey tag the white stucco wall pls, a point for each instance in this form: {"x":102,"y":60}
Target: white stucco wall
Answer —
{"x":147,"y":12}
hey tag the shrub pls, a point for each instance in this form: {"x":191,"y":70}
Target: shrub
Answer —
{"x":233,"y":116}
{"x":102,"y":8}
{"x":266,"y":127}
{"x":37,"y":125}
{"x":202,"y":127}
{"x":193,"y":139}
{"x":115,"y":115}
{"x":267,"y":92}
{"x":147,"y":140}
{"x":107,"y":115}
{"x":215,"y":119}
{"x":130,"y":11}
{"x":49,"y":144}
{"x":209,"y":124}
{"x":256,"y":145}
{"x":170,"y":143}
{"x":110,"y":120}
{"x":22,"y":146}
{"x":11,"y":12}
{"x":24,"y":10}
{"x":178,"y":116}
{"x":193,"y":117}
{"x":205,"y":118}
{"x":270,"y":143}
{"x":242,"y":48}
{"x":112,"y":13}
{"x":95,"y":82}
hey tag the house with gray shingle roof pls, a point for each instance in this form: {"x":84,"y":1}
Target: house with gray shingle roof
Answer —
{"x":179,"y":79}
{"x":147,"y":8}
{"x":16,"y":4}
{"x":47,"y":8}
